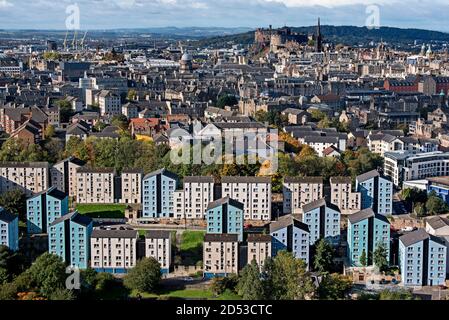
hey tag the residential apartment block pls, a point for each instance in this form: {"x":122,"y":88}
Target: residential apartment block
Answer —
{"x":110,"y":103}
{"x":376,"y":192}
{"x":225,"y":216}
{"x":131,"y":186}
{"x":299,"y":191}
{"x":253,"y":192}
{"x":366,"y":231}
{"x":259,"y":248}
{"x":439,"y":227}
{"x":407,"y":166}
{"x":113,"y":251}
{"x":158,"y":194}
{"x":44,"y":208}
{"x":158,"y":246}
{"x":63,"y":175}
{"x":323,"y":220}
{"x":422,"y":259}
{"x":95,"y":185}
{"x":30,"y":177}
{"x":343,"y":197}
{"x":69,"y":238}
{"x":290,"y":234}
{"x":9,"y":230}
{"x":191,"y":202}
{"x":221,"y":255}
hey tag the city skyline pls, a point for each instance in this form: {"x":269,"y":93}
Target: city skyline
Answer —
{"x":102,"y":15}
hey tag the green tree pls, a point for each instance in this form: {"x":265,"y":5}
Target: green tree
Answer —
{"x":61,"y":294}
{"x":20,"y":151}
{"x":100,"y":126}
{"x":11,"y":263}
{"x":145,"y":276}
{"x":420,"y":210}
{"x":435,"y":205}
{"x":317,"y":115}
{"x":363,"y":259}
{"x":361,"y":161}
{"x":132,"y":94}
{"x":226,"y":100}
{"x":49,"y":131}
{"x":14,"y":201}
{"x":120,"y":121}
{"x":250,"y":285}
{"x":48,"y":55}
{"x":334,"y":287}
{"x":289,"y":278}
{"x":380,"y":257}
{"x":47,"y":274}
{"x":65,"y":110}
{"x":396,"y":295}
{"x":324,"y":257}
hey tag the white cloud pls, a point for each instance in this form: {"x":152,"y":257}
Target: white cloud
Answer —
{"x":5,"y":4}
{"x":334,"y":3}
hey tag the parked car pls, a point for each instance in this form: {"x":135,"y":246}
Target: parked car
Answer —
{"x":188,"y":279}
{"x":394,"y":281}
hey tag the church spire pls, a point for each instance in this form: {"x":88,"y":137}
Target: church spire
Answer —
{"x":318,"y":37}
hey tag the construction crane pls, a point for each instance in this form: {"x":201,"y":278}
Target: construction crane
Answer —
{"x":82,"y":41}
{"x":65,"y":40}
{"x":74,"y":43}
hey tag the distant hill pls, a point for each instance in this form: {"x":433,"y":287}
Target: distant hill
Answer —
{"x":345,"y":34}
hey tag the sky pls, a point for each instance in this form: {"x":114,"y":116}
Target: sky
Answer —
{"x":110,"y":14}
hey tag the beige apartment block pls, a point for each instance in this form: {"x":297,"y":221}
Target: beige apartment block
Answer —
{"x":95,"y":185}
{"x":158,"y":246}
{"x":63,"y":175}
{"x":253,"y":192}
{"x":343,"y":197}
{"x":299,"y":191}
{"x":131,"y":186}
{"x":113,"y":251}
{"x":220,"y":255}
{"x":259,"y":248}
{"x":191,"y":202}
{"x":30,"y":177}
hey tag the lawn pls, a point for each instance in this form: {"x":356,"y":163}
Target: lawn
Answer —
{"x":191,"y":248}
{"x":114,"y":211}
{"x":188,"y":294}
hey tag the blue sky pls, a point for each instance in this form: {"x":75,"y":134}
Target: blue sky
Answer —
{"x":107,"y":14}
